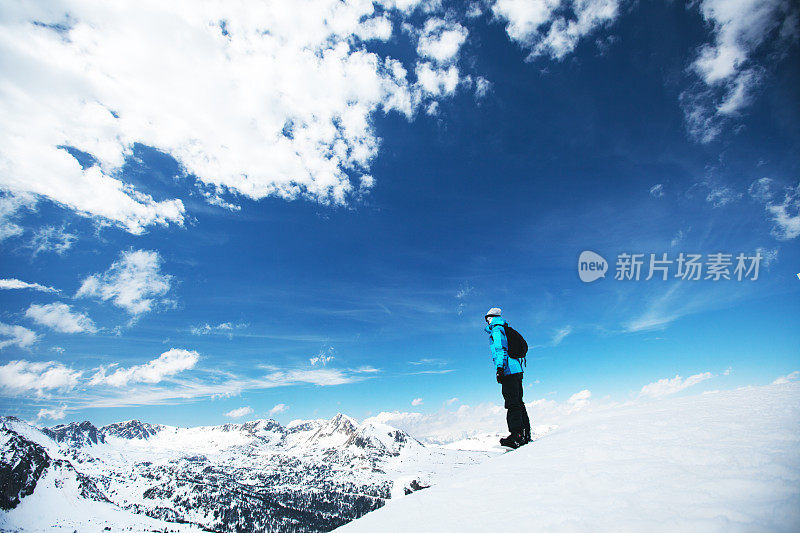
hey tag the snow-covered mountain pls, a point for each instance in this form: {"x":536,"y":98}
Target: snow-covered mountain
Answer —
{"x":724,"y":461}
{"x":255,"y":476}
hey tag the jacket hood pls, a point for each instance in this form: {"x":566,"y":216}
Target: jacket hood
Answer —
{"x":496,"y":321}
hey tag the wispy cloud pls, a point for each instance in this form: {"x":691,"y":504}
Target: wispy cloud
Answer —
{"x":60,"y":317}
{"x":657,"y":190}
{"x":560,"y":335}
{"x":722,"y":195}
{"x":416,"y":401}
{"x":223,"y":328}
{"x":278,"y":408}
{"x":56,"y":413}
{"x":791,"y":376}
{"x":324,"y":357}
{"x":166,"y":365}
{"x":184,"y":390}
{"x":10,"y":207}
{"x":661,"y":311}
{"x":240,"y":412}
{"x":678,"y":238}
{"x":667,"y":386}
{"x":52,"y":239}
{"x":428,"y":361}
{"x":12,"y":335}
{"x":783,"y":207}
{"x":9,"y":284}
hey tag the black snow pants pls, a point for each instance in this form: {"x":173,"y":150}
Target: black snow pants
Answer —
{"x":517,"y":415}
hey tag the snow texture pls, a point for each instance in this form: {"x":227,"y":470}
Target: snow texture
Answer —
{"x":723,"y":461}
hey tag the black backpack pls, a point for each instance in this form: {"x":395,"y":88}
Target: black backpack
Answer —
{"x":517,"y":347}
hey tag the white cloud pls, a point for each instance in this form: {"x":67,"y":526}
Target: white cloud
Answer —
{"x":721,"y":195}
{"x":320,"y":376}
{"x":429,"y":361}
{"x":366,"y":370}
{"x":416,"y":401}
{"x":240,"y":412}
{"x":179,"y":390}
{"x":59,"y":317}
{"x":16,"y":335}
{"x":57,"y":413}
{"x":579,"y":400}
{"x":677,"y":239}
{"x":21,"y":377}
{"x":666,"y":386}
{"x":52,"y":239}
{"x":441,"y":41}
{"x":166,"y":365}
{"x":464,"y":291}
{"x":767,"y":256}
{"x":133,"y":283}
{"x":560,"y":335}
{"x":761,"y":189}
{"x":375,"y":28}
{"x":278,"y":408}
{"x":786,"y":215}
{"x":10,"y":205}
{"x":544,"y":26}
{"x":657,"y":190}
{"x":451,"y":401}
{"x":652,"y":320}
{"x":406,"y":6}
{"x":224,"y":328}
{"x":482,"y":87}
{"x":324,"y":357}
{"x":785,"y":211}
{"x":287,"y":96}
{"x":436,"y":81}
{"x":725,"y":70}
{"x":6,"y":284}
{"x":792,"y":376}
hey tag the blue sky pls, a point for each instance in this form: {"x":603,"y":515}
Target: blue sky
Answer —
{"x":201,"y":262}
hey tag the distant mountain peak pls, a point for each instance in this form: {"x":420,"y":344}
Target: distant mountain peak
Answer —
{"x":76,"y":434}
{"x":131,"y":429}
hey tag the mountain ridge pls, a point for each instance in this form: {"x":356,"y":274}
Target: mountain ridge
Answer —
{"x":305,"y":476}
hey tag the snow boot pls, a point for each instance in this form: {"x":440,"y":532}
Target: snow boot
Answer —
{"x":526,"y":436}
{"x":506,"y":441}
{"x":515,"y":440}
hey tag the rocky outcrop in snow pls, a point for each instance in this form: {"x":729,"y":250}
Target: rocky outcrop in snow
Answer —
{"x":76,"y":434}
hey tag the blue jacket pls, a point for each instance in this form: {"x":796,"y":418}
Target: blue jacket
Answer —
{"x":498,"y":344}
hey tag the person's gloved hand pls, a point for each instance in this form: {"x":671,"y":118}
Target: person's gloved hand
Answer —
{"x":500,"y":374}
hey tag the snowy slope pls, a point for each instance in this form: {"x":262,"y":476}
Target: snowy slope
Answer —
{"x":725,"y":461}
{"x":58,"y":505}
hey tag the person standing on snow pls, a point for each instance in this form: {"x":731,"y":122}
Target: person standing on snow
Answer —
{"x":509,"y":375}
